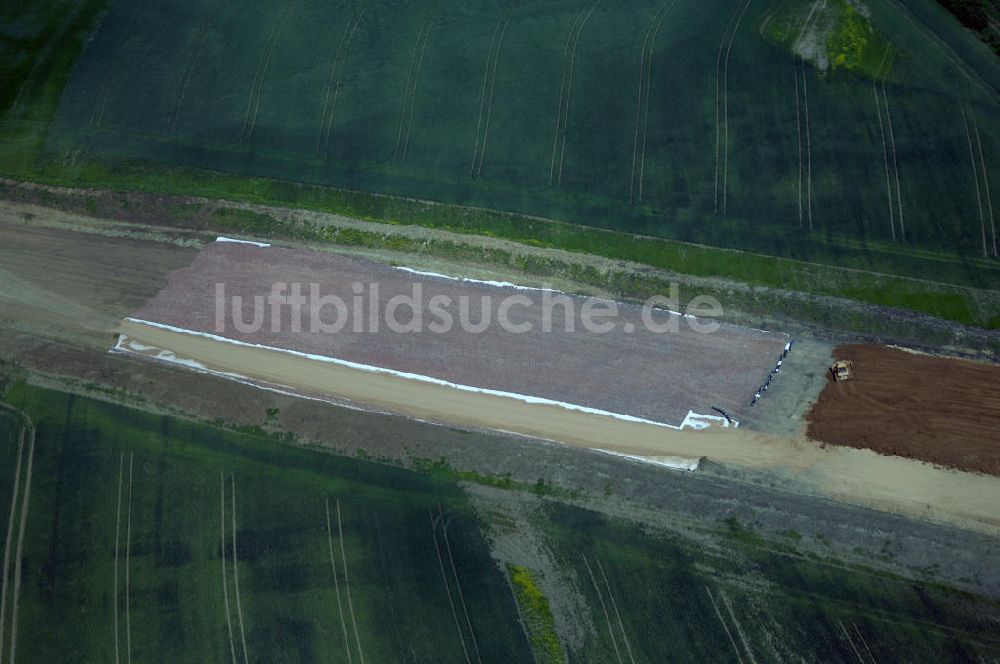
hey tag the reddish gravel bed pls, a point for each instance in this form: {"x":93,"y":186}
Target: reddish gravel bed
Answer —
{"x":657,"y":376}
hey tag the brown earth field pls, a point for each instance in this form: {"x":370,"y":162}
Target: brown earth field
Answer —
{"x":934,"y":409}
{"x":629,"y":370}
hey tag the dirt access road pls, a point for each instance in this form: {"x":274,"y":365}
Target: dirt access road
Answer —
{"x":856,"y":476}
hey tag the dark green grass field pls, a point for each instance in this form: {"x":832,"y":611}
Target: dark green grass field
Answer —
{"x":175,"y":600}
{"x":507,"y":106}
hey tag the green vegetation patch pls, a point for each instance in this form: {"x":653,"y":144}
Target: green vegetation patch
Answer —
{"x":537,"y":615}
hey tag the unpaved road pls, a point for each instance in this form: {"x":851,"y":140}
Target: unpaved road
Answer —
{"x":856,"y":476}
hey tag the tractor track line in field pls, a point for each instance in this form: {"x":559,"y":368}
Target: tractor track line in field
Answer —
{"x":336,"y":584}
{"x":569,"y":53}
{"x":649,"y":85}
{"x":118,"y":522}
{"x":736,"y":624}
{"x":809,"y":158}
{"x":128,"y":539}
{"x":725,"y":109}
{"x":347,"y":584}
{"x":482,"y":95}
{"x":718,"y":99}
{"x":562,"y":93}
{"x":725,"y":626}
{"x":10,"y":538}
{"x":885,"y":147}
{"x":191,"y":63}
{"x":413,"y":94}
{"x":895,"y":165}
{"x":614,"y":605}
{"x":986,"y":182}
{"x":458,"y":585}
{"x":19,"y":553}
{"x":333,"y":84}
{"x":405,"y":99}
{"x":798,"y":131}
{"x":410,"y":91}
{"x":569,"y":89}
{"x":604,"y":608}
{"x":257,"y":75}
{"x":489,"y":100}
{"x":638,"y":103}
{"x":236,"y":572}
{"x":850,"y":642}
{"x":975,"y":177}
{"x":225,"y":588}
{"x":447,"y":589}
{"x":251,"y":120}
{"x":864,"y":642}
{"x":111,"y":73}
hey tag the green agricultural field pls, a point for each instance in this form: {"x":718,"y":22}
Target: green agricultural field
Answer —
{"x":602,"y":113}
{"x":166,"y":540}
{"x":665,"y":599}
{"x":129,"y":513}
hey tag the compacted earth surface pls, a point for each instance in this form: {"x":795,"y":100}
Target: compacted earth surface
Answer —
{"x":901,"y":403}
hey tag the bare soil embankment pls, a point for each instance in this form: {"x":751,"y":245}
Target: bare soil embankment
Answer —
{"x":901,"y":403}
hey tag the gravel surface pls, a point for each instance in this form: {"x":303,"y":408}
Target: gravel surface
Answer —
{"x":656,"y":376}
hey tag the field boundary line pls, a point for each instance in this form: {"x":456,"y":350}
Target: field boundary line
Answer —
{"x":725,"y":626}
{"x":333,"y":84}
{"x":885,"y":147}
{"x":225,"y":588}
{"x":336,"y":583}
{"x":236,"y":571}
{"x":458,"y":584}
{"x":649,"y":85}
{"x":614,"y":605}
{"x":447,"y":589}
{"x":736,"y":624}
{"x":986,"y":182}
{"x":19,"y":553}
{"x":566,"y":88}
{"x":490,"y":97}
{"x":975,"y":177}
{"x":10,"y":538}
{"x":128,"y":539}
{"x":956,"y":60}
{"x":347,"y":584}
{"x":725,"y":108}
{"x":604,"y":608}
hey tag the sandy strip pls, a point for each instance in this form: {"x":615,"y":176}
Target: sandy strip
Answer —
{"x":855,"y":476}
